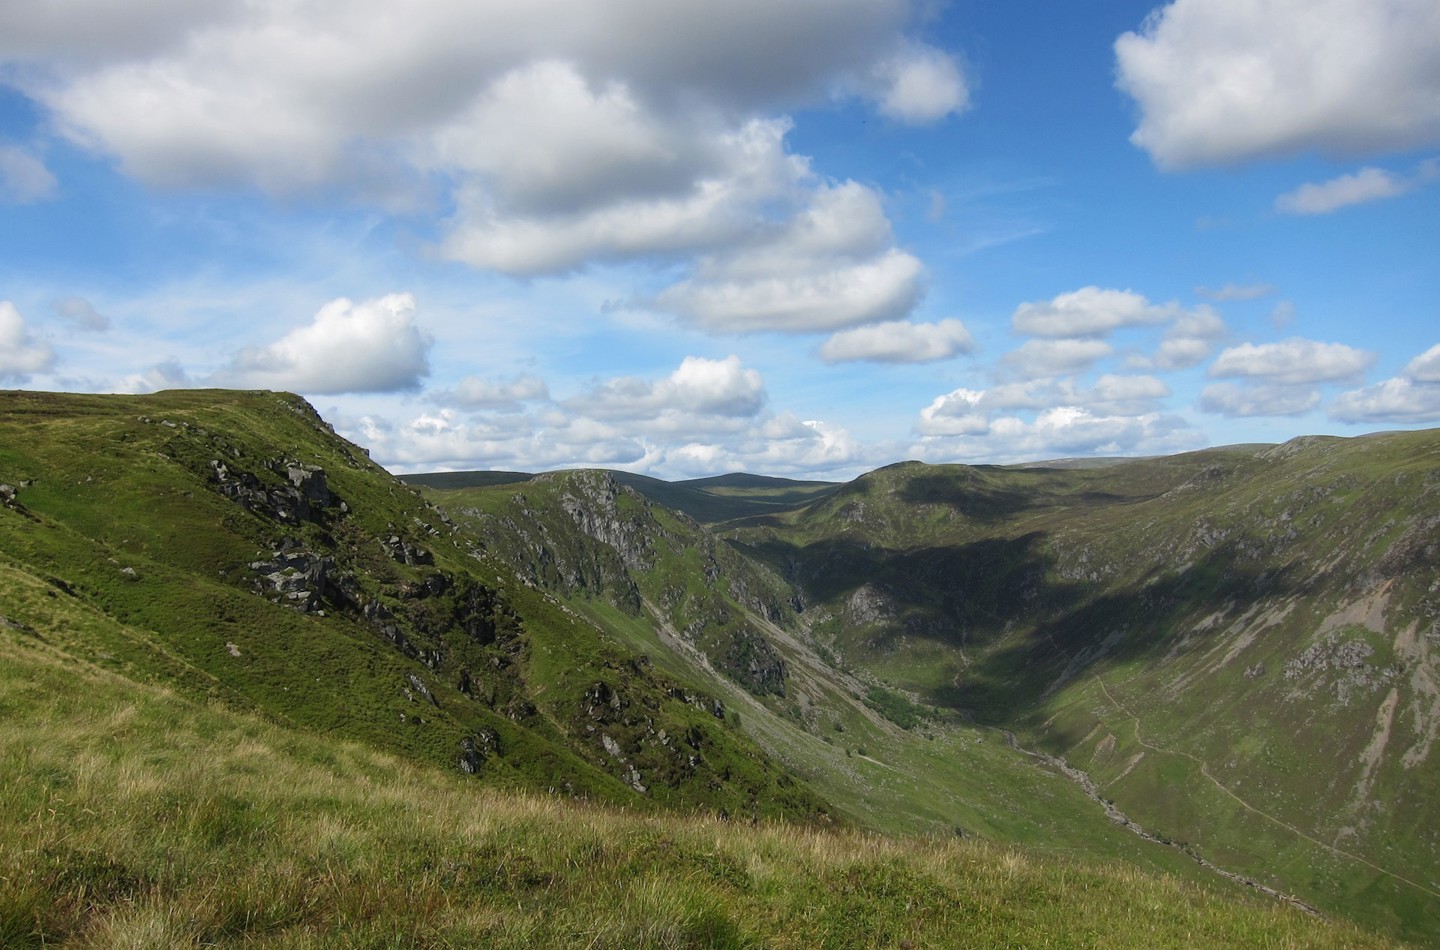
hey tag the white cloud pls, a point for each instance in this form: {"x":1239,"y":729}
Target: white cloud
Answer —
{"x":373,"y":346}
{"x":1236,"y":291}
{"x":1293,"y":361}
{"x":1221,"y":81}
{"x":1124,"y":395}
{"x":472,"y":392}
{"x":1247,"y":400}
{"x":20,"y":353}
{"x":1368,"y":184}
{"x":566,"y":435}
{"x":1392,"y":401}
{"x":827,"y":268}
{"x":921,"y":84}
{"x":24,"y":179}
{"x":1413,"y":396}
{"x":1189,"y":341}
{"x":1089,"y":311}
{"x":1039,"y":358}
{"x":899,"y":342}
{"x":167,"y":374}
{"x":525,"y":231}
{"x":80,"y":313}
{"x":958,"y":412}
{"x":972,"y":412}
{"x":1057,"y":432}
{"x":1425,"y":368}
{"x":699,"y":387}
{"x":560,"y":132}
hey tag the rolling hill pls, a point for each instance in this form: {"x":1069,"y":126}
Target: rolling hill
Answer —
{"x":235,"y":650}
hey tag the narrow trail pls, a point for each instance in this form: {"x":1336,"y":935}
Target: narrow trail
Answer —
{"x":1084,"y":780}
{"x":1205,"y":771}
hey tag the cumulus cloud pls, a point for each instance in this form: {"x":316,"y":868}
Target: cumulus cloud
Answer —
{"x":1413,"y":396}
{"x":1222,"y":81}
{"x":24,"y":179}
{"x":699,"y":386}
{"x":1368,"y":184}
{"x":1425,"y":368}
{"x":20,"y":353}
{"x":829,"y":267}
{"x":167,"y":374}
{"x":899,"y":342}
{"x":666,"y":441}
{"x":1293,"y":361}
{"x":80,"y":313}
{"x":560,"y":133}
{"x":1058,"y":432}
{"x":445,"y":439}
{"x":1124,"y":395}
{"x":967,"y":411}
{"x":1089,"y":311}
{"x":1242,"y":401}
{"x":472,"y":392}
{"x":1188,"y":342}
{"x":921,"y":84}
{"x":550,"y":199}
{"x":958,"y":412}
{"x":1037,"y":358}
{"x":1396,"y":400}
{"x":370,"y":347}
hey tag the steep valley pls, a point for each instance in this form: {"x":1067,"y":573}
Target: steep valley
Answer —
{"x":1233,"y":650}
{"x":1236,"y":645}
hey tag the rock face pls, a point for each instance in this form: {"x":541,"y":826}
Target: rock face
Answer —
{"x":303,"y":497}
{"x":583,"y":534}
{"x":620,"y":719}
{"x":299,"y":578}
{"x":752,"y":662}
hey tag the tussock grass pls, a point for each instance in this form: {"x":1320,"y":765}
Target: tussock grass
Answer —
{"x":134,"y":817}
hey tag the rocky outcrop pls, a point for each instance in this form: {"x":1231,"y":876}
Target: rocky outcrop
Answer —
{"x":304,"y":496}
{"x":300,"y":579}
{"x":475,"y":750}
{"x":752,"y":662}
{"x":411,"y":555}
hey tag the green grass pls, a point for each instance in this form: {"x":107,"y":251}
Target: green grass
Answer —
{"x":1186,"y":587}
{"x":134,"y":817}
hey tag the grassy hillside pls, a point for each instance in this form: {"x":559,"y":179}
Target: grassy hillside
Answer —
{"x":1239,"y":645}
{"x":257,"y":691}
{"x":664,"y":587}
{"x":136,"y":817}
{"x":708,"y":500}
{"x":232,"y":547}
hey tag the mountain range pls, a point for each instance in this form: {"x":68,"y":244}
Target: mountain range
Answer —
{"x":1215,"y":669}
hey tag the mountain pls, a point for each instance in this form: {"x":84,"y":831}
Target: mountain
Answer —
{"x":255,"y":689}
{"x":231,"y":546}
{"x":712,"y":500}
{"x":1231,"y":648}
{"x":1239,"y":646}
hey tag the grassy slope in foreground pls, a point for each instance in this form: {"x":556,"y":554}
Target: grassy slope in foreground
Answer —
{"x":134,"y":817}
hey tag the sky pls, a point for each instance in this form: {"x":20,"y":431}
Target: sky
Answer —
{"x":786,"y":237}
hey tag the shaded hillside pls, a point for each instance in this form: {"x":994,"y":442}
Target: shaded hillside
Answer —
{"x":707,"y":500}
{"x":1239,"y":645}
{"x":1217,"y":665}
{"x":664,"y":586}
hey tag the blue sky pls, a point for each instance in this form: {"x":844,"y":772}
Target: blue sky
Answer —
{"x":783,"y":237}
